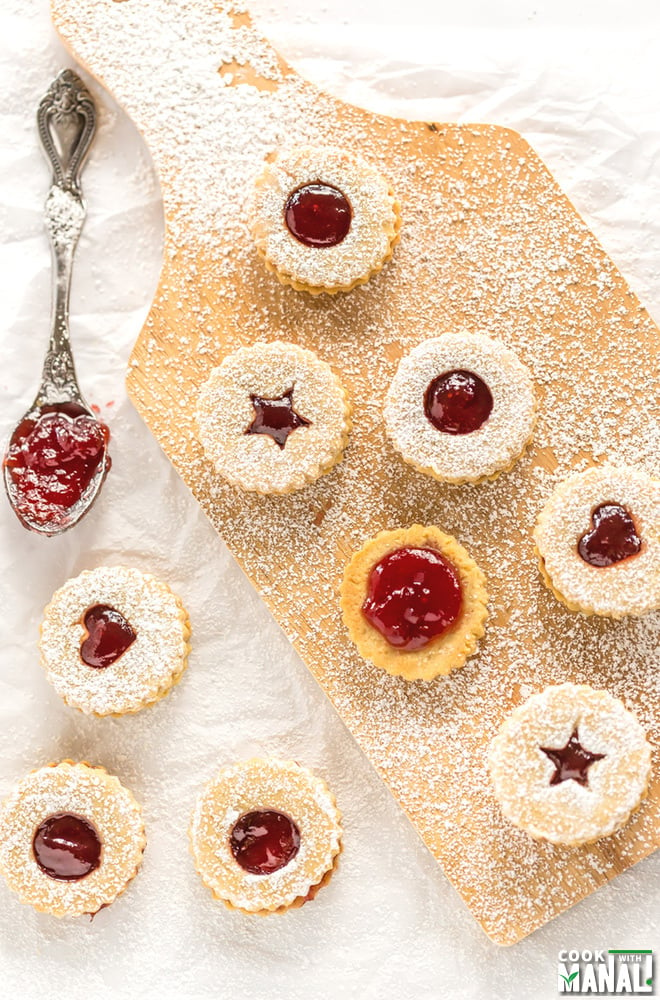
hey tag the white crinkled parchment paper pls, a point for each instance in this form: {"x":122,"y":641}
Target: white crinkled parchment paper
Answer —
{"x":581,"y":82}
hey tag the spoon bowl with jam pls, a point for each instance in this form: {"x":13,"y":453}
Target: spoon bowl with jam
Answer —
{"x":57,"y":457}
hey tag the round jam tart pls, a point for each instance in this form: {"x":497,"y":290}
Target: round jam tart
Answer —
{"x":265,"y":835}
{"x":273,"y":417}
{"x":114,"y":640}
{"x":570,"y":765}
{"x":323,"y":220}
{"x":598,"y":542}
{"x":414,"y":602}
{"x":71,"y":839}
{"x":460,"y":408}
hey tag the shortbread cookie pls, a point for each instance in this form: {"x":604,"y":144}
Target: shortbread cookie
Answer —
{"x":460,"y":408}
{"x":598,"y":542}
{"x":323,"y":219}
{"x":71,"y":839}
{"x":570,"y":765}
{"x":273,"y":417}
{"x":414,"y":602}
{"x":114,"y":640}
{"x":265,"y":835}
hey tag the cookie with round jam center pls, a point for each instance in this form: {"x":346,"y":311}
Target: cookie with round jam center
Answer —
{"x":413,"y":597}
{"x":263,"y":841}
{"x":67,"y":847}
{"x":318,"y":215}
{"x":458,"y":402}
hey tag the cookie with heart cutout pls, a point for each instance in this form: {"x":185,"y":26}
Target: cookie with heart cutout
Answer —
{"x":598,"y":542}
{"x":114,"y":640}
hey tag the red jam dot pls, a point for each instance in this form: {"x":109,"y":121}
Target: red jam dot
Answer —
{"x":458,"y":402}
{"x":612,"y":538}
{"x":572,"y":761}
{"x":276,"y":417}
{"x":264,"y":841}
{"x":108,"y":636}
{"x":318,"y":215}
{"x":52,"y":461}
{"x":67,"y":847}
{"x":413,"y":596}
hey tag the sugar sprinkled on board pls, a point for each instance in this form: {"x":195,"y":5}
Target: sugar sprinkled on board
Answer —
{"x":488,"y":243}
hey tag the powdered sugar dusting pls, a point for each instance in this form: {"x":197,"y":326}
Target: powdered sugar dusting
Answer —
{"x":492,"y":447}
{"x":255,"y":785}
{"x":488,"y":244}
{"x":85,"y":791}
{"x":224,"y":411}
{"x":374,"y":221}
{"x":631,"y":586}
{"x":568,"y":812}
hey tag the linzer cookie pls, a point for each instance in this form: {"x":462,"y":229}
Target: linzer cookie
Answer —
{"x":460,"y":408}
{"x":114,"y":640}
{"x":324,"y":220}
{"x":598,"y":542}
{"x":71,"y":839}
{"x":265,"y":835}
{"x":570,"y":765}
{"x":273,"y":417}
{"x":414,"y":602}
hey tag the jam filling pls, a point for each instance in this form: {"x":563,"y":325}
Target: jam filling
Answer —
{"x":612,"y":538}
{"x":108,"y":636}
{"x":318,"y":215}
{"x":571,"y":761}
{"x":413,"y":597}
{"x":458,"y":402}
{"x":264,"y":841}
{"x":52,"y":461}
{"x":67,"y":847}
{"x":276,"y":417}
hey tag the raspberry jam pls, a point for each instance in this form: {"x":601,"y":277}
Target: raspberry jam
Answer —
{"x":264,"y":841}
{"x":108,"y":636}
{"x":613,"y":537}
{"x":318,"y":215}
{"x":458,"y":402}
{"x":67,"y":847}
{"x":413,"y":596}
{"x":52,"y":461}
{"x":571,"y":761}
{"x":276,"y":417}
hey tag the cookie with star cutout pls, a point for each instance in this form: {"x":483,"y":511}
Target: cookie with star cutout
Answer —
{"x":570,"y":765}
{"x":273,"y":418}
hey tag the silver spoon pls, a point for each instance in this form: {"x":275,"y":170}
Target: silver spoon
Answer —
{"x":67,"y":122}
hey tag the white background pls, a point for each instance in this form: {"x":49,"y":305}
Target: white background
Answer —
{"x":581,"y":80}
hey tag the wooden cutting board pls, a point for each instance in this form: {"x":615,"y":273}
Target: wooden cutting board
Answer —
{"x":490,"y":244}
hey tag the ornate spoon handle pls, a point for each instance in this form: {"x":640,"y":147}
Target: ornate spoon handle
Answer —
{"x":67,"y":121}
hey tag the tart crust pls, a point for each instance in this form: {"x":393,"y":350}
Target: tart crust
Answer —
{"x":568,"y":812}
{"x":376,"y":220}
{"x":81,"y":789}
{"x":258,"y":784}
{"x":146,"y":671}
{"x":255,"y":462}
{"x":485,"y":453}
{"x":629,"y":587}
{"x":446,"y":653}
